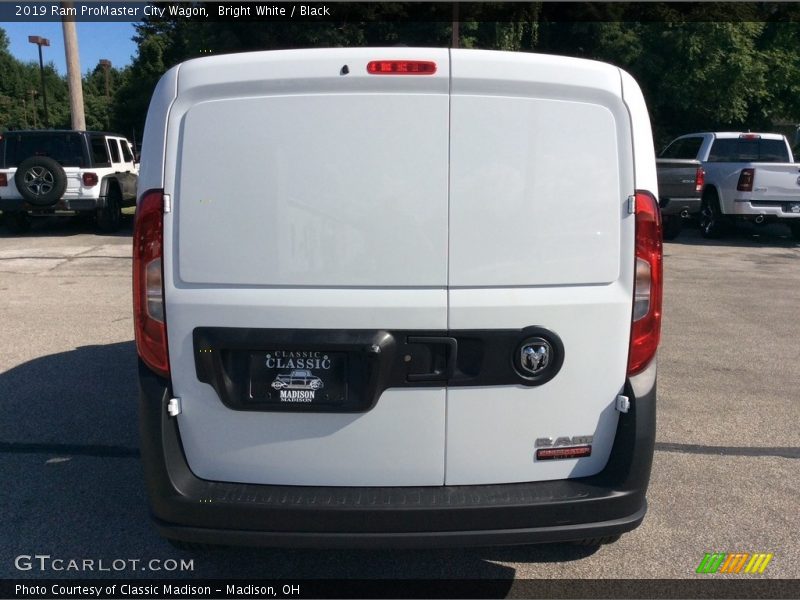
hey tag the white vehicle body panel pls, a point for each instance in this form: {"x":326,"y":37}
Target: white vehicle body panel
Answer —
{"x":535,"y":239}
{"x":329,"y":203}
{"x":492,"y":198}
{"x":261,"y":267}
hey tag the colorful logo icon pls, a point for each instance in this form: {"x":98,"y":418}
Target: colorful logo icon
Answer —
{"x":735,"y":562}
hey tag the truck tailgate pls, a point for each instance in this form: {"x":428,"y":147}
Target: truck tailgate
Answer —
{"x":776,"y":181}
{"x":677,"y":178}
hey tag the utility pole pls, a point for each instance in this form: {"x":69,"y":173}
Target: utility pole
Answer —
{"x":106,"y":65}
{"x":73,"y":69}
{"x":454,"y":41}
{"x":40,"y":41}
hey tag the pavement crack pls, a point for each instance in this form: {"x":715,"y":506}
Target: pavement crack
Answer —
{"x":781,"y":451}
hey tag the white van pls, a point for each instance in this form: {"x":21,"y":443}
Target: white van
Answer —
{"x":397,"y":296}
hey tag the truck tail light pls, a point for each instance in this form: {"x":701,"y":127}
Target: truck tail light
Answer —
{"x":90,"y":179}
{"x":401,"y":67}
{"x":148,"y":282}
{"x":3,"y":180}
{"x":648,"y":284}
{"x":746,"y":180}
{"x":699,"y":179}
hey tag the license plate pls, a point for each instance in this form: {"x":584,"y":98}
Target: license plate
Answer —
{"x":298,"y":377}
{"x":792,"y":207}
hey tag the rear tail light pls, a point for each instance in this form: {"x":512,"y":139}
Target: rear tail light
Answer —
{"x":699,"y":179}
{"x":90,"y":179}
{"x":746,"y":180}
{"x":148,"y":282}
{"x":648,"y":284}
{"x":3,"y":180}
{"x":401,"y":67}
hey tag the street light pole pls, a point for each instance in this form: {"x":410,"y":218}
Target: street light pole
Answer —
{"x":33,"y":107}
{"x":40,"y":41}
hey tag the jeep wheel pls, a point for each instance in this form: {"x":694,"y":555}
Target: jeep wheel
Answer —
{"x":17,"y":221}
{"x":41,"y":181}
{"x":712,"y":222}
{"x":109,"y":218}
{"x":672,"y":227}
{"x":795,"y":227}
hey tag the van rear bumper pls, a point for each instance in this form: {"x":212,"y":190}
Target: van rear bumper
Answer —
{"x":187,"y":508}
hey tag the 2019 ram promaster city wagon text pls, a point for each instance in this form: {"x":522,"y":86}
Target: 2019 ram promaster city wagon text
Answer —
{"x":357,"y":322}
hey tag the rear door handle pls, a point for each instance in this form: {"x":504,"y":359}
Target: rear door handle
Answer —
{"x":451,"y":350}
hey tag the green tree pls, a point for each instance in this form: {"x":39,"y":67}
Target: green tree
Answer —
{"x":701,"y":66}
{"x":100,"y":108}
{"x":132,"y":97}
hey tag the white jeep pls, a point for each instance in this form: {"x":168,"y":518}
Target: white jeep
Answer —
{"x":63,"y":172}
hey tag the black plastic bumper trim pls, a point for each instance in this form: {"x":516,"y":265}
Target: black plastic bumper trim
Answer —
{"x":418,"y":539}
{"x":192,"y":509}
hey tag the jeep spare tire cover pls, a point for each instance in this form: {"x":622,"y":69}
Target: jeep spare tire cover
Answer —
{"x":40,"y":180}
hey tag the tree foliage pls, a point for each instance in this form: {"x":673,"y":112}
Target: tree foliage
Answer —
{"x":21,"y":102}
{"x":702,"y":66}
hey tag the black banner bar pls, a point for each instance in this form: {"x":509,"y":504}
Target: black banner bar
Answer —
{"x":344,"y":12}
{"x":706,"y":587}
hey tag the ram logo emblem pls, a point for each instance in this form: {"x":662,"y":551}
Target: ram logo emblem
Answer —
{"x":535,"y":356}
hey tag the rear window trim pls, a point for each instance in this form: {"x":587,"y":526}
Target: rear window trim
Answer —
{"x":77,"y":142}
{"x":102,"y":139}
{"x":738,"y":156}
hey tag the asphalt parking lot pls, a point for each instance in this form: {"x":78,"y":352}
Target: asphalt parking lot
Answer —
{"x":726,"y":475}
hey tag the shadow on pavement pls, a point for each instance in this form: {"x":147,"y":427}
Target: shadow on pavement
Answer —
{"x":744,"y":235}
{"x":69,"y":444}
{"x":67,"y":226}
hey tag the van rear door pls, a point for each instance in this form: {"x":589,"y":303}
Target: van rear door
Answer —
{"x":307,"y":195}
{"x":540,"y":235}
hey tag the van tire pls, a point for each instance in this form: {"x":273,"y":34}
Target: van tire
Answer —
{"x":109,"y":218}
{"x":672,"y":226}
{"x":17,"y":221}
{"x":712,"y":221}
{"x":795,"y":227}
{"x":598,"y":541}
{"x":41,"y":181}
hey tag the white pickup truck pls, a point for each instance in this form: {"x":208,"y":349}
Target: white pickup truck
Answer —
{"x":748,"y":176}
